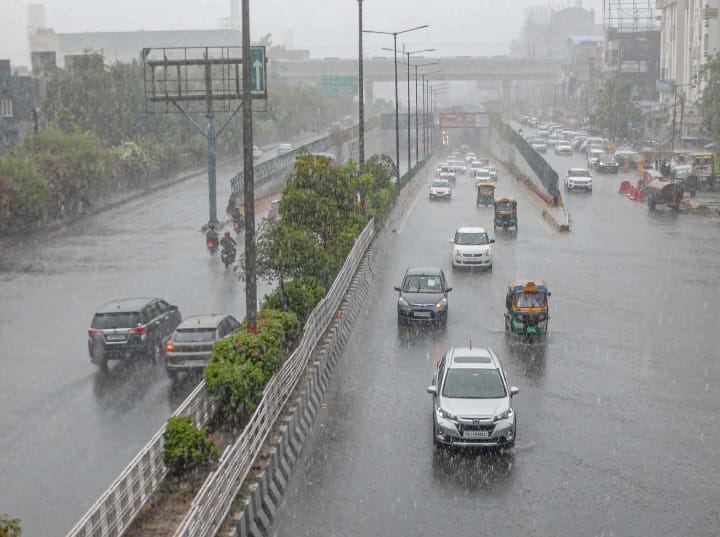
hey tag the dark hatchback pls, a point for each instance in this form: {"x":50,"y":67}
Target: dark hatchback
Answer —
{"x":422,"y":296}
{"x":130,"y":327}
{"x":606,"y":163}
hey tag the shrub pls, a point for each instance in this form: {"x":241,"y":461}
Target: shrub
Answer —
{"x":235,"y":387}
{"x":9,"y":527}
{"x":289,"y":325}
{"x":301,"y":297}
{"x":186,"y":446}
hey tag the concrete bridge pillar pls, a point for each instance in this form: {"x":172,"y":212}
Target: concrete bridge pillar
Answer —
{"x":369,"y":92}
{"x":506,"y":90}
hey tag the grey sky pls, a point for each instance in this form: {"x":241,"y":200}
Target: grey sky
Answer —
{"x":326,"y":27}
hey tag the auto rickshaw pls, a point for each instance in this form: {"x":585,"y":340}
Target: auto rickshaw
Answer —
{"x":506,"y":213}
{"x":485,"y":194}
{"x":526,"y":307}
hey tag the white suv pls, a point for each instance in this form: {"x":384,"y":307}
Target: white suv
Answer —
{"x":471,"y":248}
{"x":578,"y":179}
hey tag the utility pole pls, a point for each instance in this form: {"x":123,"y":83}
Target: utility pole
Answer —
{"x":361,"y":88}
{"x":248,"y":175}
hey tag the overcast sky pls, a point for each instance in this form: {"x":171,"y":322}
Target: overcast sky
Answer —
{"x":326,"y":27}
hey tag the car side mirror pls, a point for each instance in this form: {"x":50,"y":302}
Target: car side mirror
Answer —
{"x":448,"y":289}
{"x":174,"y":308}
{"x":492,"y":241}
{"x":432,"y":390}
{"x":397,"y":288}
{"x":452,"y":241}
{"x":514,"y":390}
{"x":549,"y":294}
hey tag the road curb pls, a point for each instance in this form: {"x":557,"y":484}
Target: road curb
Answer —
{"x":548,"y":216}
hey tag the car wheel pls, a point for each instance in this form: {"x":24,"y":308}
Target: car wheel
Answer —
{"x":490,"y":267}
{"x":101,"y":362}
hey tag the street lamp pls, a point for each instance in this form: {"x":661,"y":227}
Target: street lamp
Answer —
{"x":361,"y":87}
{"x":397,"y":110}
{"x":417,"y":122}
{"x":408,"y":92}
{"x":426,"y":99}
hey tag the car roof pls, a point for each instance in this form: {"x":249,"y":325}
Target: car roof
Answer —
{"x":578,"y":170}
{"x":423,"y":271}
{"x":125,"y":304}
{"x":470,"y":229}
{"x":471,"y":357}
{"x":210,"y":320}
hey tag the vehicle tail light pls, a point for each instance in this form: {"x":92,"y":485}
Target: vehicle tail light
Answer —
{"x":169,"y":346}
{"x":93,"y":332}
{"x":211,"y":243}
{"x":138,"y":330}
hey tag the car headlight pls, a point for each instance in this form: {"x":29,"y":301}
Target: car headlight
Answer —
{"x":442,"y":303}
{"x":402,"y":301}
{"x":504,"y":415}
{"x":445,"y":414}
{"x":540,"y":317}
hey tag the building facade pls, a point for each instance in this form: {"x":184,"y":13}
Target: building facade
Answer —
{"x":16,"y":106}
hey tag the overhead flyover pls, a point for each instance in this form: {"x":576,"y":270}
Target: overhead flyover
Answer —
{"x":481,"y":69}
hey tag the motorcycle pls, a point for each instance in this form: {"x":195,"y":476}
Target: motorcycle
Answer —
{"x":228,"y":257}
{"x":212,"y":245}
{"x":239,"y":225}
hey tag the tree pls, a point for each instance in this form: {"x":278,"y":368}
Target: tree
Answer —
{"x":9,"y":527}
{"x":617,"y":108}
{"x":710,"y":102}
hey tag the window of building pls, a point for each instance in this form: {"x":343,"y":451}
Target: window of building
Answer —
{"x":6,"y":108}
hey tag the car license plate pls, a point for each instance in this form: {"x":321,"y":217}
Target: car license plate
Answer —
{"x":477,"y":434}
{"x":422,"y":314}
{"x":115,"y":337}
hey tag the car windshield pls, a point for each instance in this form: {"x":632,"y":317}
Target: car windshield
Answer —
{"x":578,"y":173}
{"x":605,"y":157}
{"x":530,"y":300}
{"x":194,"y":335}
{"x":505,"y":206}
{"x":417,"y":283}
{"x":440,"y":184}
{"x":121,"y":319}
{"x":468,"y":239}
{"x":473,"y":384}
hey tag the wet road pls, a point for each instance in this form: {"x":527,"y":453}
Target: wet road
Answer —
{"x":68,"y":430}
{"x":617,"y":413}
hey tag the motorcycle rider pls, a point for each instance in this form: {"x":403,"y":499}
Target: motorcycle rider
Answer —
{"x":227,"y":242}
{"x":211,"y":234}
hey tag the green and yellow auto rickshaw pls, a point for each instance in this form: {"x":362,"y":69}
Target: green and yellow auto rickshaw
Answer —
{"x":485,"y":194}
{"x":506,"y":213}
{"x":526,"y":307}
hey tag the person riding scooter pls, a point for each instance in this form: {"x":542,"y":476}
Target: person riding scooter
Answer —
{"x":211,"y":237}
{"x":227,"y":242}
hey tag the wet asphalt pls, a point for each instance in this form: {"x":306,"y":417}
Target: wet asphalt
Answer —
{"x":68,"y":429}
{"x":617,"y":413}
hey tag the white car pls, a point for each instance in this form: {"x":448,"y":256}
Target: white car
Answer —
{"x":482,"y":175}
{"x":492,"y":170}
{"x":563,"y":147}
{"x":471,"y":248}
{"x":469,"y":157}
{"x":440,"y":189}
{"x":578,"y":179}
{"x":284,"y":148}
{"x":447,"y":172}
{"x":593,"y":156}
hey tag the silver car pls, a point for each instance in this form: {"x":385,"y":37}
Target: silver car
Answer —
{"x":472,"y":402}
{"x":190,"y":346}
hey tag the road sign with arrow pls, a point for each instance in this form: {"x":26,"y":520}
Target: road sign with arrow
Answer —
{"x":258,"y":70}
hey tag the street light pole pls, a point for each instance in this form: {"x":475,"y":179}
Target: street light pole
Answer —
{"x":397,"y":106}
{"x":408,"y":54}
{"x":361,"y":88}
{"x":417,"y":122}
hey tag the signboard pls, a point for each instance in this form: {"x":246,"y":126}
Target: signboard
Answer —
{"x":339,"y":85}
{"x":464,"y":121}
{"x":258,"y":70}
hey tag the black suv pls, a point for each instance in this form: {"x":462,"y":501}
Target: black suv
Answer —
{"x":129,"y":327}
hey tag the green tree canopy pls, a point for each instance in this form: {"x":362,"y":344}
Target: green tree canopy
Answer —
{"x":616,"y":108}
{"x":710,"y":102}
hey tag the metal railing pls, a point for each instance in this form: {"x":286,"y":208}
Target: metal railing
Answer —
{"x":213,"y":502}
{"x":115,"y":510}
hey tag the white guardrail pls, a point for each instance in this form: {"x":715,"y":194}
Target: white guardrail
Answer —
{"x":115,"y":510}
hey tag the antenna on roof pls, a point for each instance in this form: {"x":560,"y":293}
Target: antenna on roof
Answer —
{"x":471,"y":343}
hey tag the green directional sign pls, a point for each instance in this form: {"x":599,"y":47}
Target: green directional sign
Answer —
{"x":339,"y":85}
{"x":258,"y":70}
